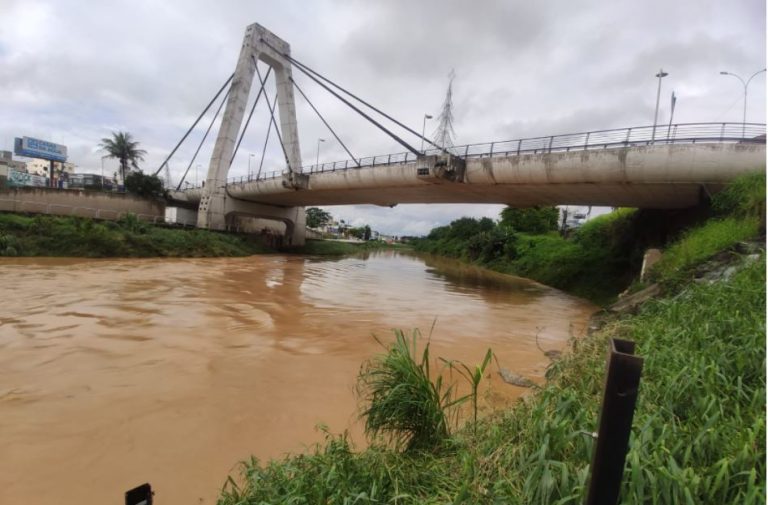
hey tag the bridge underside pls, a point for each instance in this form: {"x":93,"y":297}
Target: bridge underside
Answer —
{"x":515,"y":195}
{"x":660,"y":176}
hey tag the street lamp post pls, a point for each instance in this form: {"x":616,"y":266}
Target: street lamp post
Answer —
{"x":102,"y":171}
{"x":671,"y":113}
{"x":660,"y":75}
{"x":196,"y":167}
{"x":423,"y":129}
{"x":317,"y":158}
{"x":249,"y":165}
{"x":746,"y":84}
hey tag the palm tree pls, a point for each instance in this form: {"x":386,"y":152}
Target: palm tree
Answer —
{"x":124,"y":148}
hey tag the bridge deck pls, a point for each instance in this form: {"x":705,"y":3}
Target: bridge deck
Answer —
{"x":652,"y":176}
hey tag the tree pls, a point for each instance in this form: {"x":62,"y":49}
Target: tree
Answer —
{"x":142,"y":184}
{"x":317,"y":217}
{"x":535,"y":220}
{"x":124,"y":148}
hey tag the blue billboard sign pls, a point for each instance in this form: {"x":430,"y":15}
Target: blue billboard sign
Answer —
{"x":36,"y":148}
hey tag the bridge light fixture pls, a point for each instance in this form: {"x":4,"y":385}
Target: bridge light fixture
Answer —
{"x":746,"y":85}
{"x":423,"y":129}
{"x":317,"y":158}
{"x":660,"y":75}
{"x":249,"y":165}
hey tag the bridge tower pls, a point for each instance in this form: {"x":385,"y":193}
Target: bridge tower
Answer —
{"x":259,"y":44}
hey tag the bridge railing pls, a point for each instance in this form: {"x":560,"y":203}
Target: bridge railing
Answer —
{"x":682,"y":133}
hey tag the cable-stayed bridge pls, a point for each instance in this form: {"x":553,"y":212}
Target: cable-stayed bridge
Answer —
{"x":664,"y":166}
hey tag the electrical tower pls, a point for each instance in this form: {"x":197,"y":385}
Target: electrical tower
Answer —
{"x":444,"y":134}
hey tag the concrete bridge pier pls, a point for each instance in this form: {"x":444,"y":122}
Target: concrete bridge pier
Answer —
{"x":216,"y":204}
{"x":294,"y":218}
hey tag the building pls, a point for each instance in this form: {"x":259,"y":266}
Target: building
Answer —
{"x":40,"y":167}
{"x":6,"y":160}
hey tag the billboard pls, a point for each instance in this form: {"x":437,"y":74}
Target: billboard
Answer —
{"x":18,"y":179}
{"x":36,"y":148}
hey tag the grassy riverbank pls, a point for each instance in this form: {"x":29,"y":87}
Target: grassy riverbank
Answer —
{"x":337,"y":248}
{"x":600,"y":259}
{"x":699,"y":429}
{"x":24,"y":235}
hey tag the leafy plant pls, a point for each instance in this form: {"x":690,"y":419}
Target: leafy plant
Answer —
{"x":403,"y":402}
{"x":473,"y":377}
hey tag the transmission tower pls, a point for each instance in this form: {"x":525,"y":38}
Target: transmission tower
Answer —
{"x":444,"y":134}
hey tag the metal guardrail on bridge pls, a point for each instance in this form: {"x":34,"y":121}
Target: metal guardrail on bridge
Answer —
{"x":684,"y":133}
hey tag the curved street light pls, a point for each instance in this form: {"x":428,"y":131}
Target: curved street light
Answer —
{"x":746,"y":85}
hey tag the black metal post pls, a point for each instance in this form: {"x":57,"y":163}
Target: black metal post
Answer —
{"x":619,"y":398}
{"x":141,"y":495}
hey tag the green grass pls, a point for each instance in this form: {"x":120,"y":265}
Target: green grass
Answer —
{"x":703,"y":242}
{"x":597,"y":262}
{"x":698,"y":436}
{"x":405,"y":404}
{"x":335,"y":248}
{"x":40,"y":235}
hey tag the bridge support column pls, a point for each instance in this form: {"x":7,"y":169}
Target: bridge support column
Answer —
{"x":293,"y":217}
{"x":259,"y":44}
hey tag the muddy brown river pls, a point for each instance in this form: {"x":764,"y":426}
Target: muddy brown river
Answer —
{"x":119,"y":372}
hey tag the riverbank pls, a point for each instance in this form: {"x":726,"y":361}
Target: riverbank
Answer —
{"x":603,"y":257}
{"x":699,"y":429}
{"x":129,"y":237}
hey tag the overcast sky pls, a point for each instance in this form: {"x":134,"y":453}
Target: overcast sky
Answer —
{"x":74,"y":71}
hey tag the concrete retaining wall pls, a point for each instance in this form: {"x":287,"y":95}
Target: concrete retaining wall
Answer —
{"x":73,"y":202}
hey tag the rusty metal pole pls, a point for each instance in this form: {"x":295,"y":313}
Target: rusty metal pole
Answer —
{"x":619,"y":399}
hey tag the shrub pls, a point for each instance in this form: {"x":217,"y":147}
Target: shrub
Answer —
{"x":141,"y":184}
{"x":404,"y":404}
{"x":744,"y":196}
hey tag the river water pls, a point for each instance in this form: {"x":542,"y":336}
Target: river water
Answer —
{"x":118,"y":372}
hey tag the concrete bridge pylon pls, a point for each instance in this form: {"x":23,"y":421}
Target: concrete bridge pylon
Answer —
{"x":217,"y":207}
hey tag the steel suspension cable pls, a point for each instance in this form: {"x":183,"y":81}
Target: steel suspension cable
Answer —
{"x":195,"y":123}
{"x":250,"y":115}
{"x":223,"y":101}
{"x":304,"y":68}
{"x":269,"y":130}
{"x":326,"y":123}
{"x":277,"y":130}
{"x":366,"y":116}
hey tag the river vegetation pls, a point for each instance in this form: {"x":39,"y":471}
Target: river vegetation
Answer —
{"x":129,"y":237}
{"x":42,"y":235}
{"x":601,"y":258}
{"x":698,"y":432}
